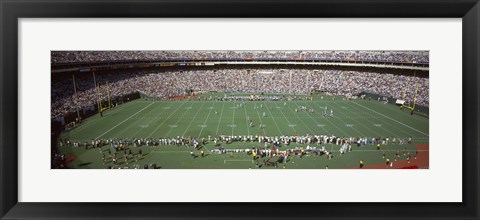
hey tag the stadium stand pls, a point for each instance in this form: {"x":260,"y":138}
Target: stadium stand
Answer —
{"x":163,"y":84}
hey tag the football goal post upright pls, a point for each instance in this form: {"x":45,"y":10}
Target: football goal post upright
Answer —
{"x":108,"y":94}
{"x":100,"y":109}
{"x":415,"y":96}
{"x":412,"y":107}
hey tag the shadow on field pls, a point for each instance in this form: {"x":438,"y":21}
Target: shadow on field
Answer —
{"x":84,"y":164}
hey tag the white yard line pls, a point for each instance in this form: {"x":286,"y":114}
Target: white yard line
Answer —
{"x":244,"y":106}
{"x":137,"y":122}
{"x":392,"y":119}
{"x":314,"y":118}
{"x":296,"y":114}
{"x":346,"y":122}
{"x":403,"y":131}
{"x":220,"y":120}
{"x":201,"y":130}
{"x":284,"y":116}
{"x":124,"y":121}
{"x":261,"y":122}
{"x":155,"y":130}
{"x":281,"y":133}
{"x":361,"y":124}
{"x":181,"y":117}
{"x":203,"y":103}
{"x":346,"y":135}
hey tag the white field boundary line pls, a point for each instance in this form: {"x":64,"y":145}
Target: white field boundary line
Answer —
{"x":201,"y":130}
{"x":194,"y":117}
{"x":392,"y":119}
{"x":368,"y":121}
{"x":81,"y":128}
{"x":124,"y":121}
{"x":168,"y":152}
{"x":392,"y":124}
{"x":353,"y":151}
{"x":220,"y":119}
{"x":225,"y":161}
{"x":292,"y":117}
{"x":346,"y":135}
{"x":281,"y":133}
{"x":155,"y":130}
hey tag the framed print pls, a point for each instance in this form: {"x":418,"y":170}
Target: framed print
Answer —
{"x":152,"y":108}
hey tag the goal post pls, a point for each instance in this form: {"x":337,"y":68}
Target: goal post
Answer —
{"x":101,"y":98}
{"x":406,"y":104}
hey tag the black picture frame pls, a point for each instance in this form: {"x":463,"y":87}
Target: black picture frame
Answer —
{"x":12,"y":10}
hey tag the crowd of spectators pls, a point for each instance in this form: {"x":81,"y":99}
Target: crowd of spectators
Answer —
{"x":172,"y":83}
{"x":368,"y":56}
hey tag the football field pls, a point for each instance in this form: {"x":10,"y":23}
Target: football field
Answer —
{"x":203,"y":118}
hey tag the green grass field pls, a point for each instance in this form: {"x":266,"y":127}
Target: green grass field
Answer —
{"x":197,"y":119}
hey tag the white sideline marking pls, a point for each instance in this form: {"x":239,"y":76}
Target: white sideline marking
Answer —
{"x":225,"y":161}
{"x":177,"y":152}
{"x":173,"y":126}
{"x":391,"y":119}
{"x":201,"y":130}
{"x":353,"y":150}
{"x":124,"y":121}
